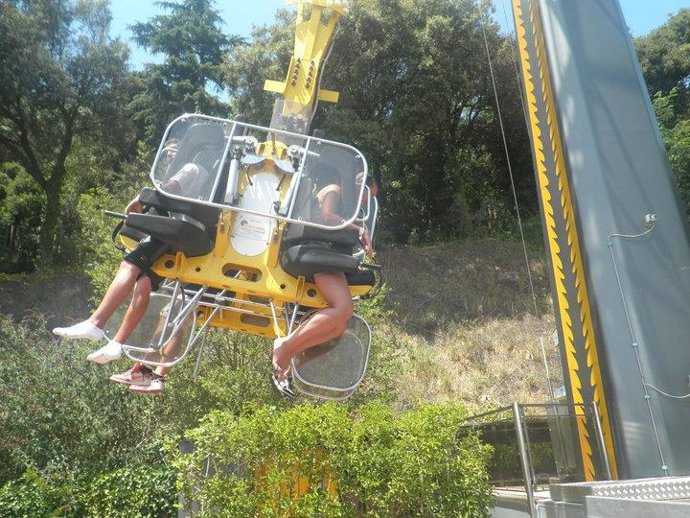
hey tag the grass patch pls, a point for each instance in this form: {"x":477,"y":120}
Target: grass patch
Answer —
{"x":466,"y":325}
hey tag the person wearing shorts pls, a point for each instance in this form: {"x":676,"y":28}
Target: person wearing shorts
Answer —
{"x":134,"y":274}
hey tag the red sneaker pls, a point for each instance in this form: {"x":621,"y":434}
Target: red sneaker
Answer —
{"x":139,"y":375}
{"x":154,"y":387}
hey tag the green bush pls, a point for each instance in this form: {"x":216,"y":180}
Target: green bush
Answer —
{"x":141,"y":491}
{"x":66,"y":427}
{"x":60,"y":413}
{"x":321,"y":460}
{"x":28,"y":497}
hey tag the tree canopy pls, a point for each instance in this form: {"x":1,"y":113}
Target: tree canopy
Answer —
{"x":416,"y":98}
{"x":61,"y":83}
{"x":665,"y":60}
{"x":193,"y":47}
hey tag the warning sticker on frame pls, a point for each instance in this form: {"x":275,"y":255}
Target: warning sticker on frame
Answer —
{"x":252,"y":227}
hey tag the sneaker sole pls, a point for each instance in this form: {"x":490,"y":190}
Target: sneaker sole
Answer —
{"x":79,"y":337}
{"x":102,"y":359}
{"x":143,"y":390}
{"x":283,"y":388}
{"x":132,"y":383}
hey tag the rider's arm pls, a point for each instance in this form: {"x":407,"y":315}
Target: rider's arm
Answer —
{"x":134,"y":206}
{"x":329,"y":205}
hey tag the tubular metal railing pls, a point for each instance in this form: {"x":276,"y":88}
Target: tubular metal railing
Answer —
{"x":537,"y":444}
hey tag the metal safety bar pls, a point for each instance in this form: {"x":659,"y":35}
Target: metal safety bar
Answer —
{"x":534,"y":432}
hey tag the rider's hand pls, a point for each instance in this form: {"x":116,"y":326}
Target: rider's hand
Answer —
{"x":365,"y":240}
{"x":134,"y":206}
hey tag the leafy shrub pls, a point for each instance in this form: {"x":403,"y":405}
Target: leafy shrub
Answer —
{"x":132,"y":491}
{"x":65,"y":427}
{"x":27,"y":497}
{"x":321,"y":460}
{"x":141,"y":491}
{"x":60,"y":413}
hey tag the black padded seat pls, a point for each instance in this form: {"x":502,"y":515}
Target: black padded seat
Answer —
{"x":307,"y":259}
{"x":361,"y":278}
{"x":185,"y":226}
{"x":298,"y":234}
{"x":206,"y":215}
{"x":127,"y":231}
{"x":182,"y":233}
{"x":308,"y":250}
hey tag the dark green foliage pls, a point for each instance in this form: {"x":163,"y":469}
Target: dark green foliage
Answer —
{"x":133,"y":491}
{"x":417,"y":99}
{"x":59,"y":415}
{"x":193,"y":46}
{"x":73,"y":444}
{"x":21,"y":210}
{"x":664,"y":56}
{"x":248,"y":65}
{"x":69,"y":435}
{"x":62,"y":82}
{"x":142,"y":491}
{"x":383,"y":464}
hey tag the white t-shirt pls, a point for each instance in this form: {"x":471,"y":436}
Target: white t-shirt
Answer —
{"x":191,"y":180}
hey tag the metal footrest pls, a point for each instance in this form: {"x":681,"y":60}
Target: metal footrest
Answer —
{"x":335,"y":369}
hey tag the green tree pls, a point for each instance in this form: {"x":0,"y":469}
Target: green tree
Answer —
{"x":664,"y":57}
{"x":62,"y":77}
{"x":250,"y":64}
{"x":664,"y":54}
{"x":193,"y":45}
{"x":20,"y":217}
{"x":416,"y":98}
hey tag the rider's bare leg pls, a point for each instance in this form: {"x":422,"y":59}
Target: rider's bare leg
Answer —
{"x":170,"y":352}
{"x":118,"y":291}
{"x":324,"y":325}
{"x":126,"y":281}
{"x":136,"y":310}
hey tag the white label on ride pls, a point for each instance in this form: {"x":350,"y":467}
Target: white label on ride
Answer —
{"x":251,"y":233}
{"x":252,"y":227}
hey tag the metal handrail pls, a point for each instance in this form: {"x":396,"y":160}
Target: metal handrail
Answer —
{"x":519,"y":415}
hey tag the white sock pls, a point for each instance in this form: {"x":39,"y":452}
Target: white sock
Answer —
{"x":85,"y":329}
{"x":109,"y":352}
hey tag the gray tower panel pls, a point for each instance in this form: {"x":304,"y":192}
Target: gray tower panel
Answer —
{"x":639,"y":286}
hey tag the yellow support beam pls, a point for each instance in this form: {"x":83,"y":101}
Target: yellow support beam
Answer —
{"x":314,"y":31}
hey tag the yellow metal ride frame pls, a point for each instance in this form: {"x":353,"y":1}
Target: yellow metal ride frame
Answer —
{"x":230,"y":237}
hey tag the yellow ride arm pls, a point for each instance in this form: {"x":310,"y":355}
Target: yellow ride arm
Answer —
{"x":316,"y":23}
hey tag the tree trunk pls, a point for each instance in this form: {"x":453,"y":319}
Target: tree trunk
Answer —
{"x":50,"y":224}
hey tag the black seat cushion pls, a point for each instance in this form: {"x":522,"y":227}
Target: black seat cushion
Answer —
{"x":205,"y":214}
{"x":307,"y":259}
{"x":296,"y":234}
{"x":361,"y":278}
{"x":183,"y":233}
{"x":127,"y":231}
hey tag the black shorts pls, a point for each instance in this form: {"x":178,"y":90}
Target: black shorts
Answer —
{"x":144,"y":255}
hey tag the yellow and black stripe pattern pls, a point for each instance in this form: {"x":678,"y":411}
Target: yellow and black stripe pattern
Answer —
{"x":571,"y":296}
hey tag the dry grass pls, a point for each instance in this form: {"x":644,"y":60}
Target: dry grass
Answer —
{"x":466,"y":327}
